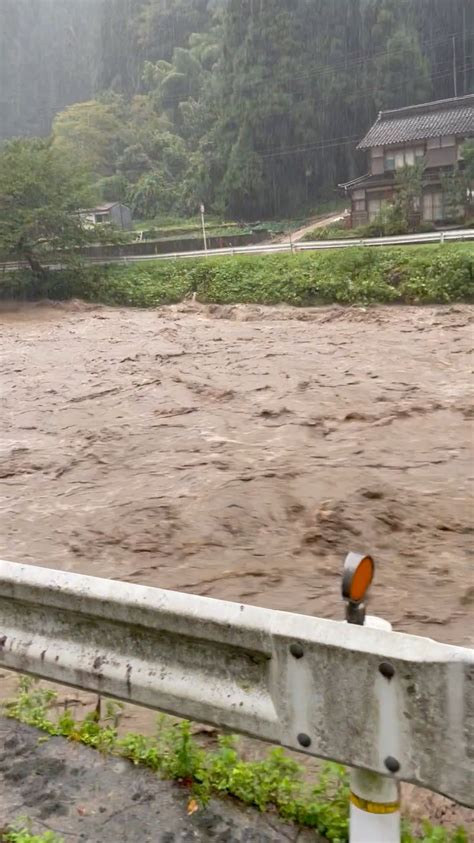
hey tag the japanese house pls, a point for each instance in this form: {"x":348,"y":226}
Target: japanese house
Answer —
{"x":433,"y":133}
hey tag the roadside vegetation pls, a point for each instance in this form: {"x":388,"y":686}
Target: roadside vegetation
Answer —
{"x":275,"y":782}
{"x":383,"y":226}
{"x":353,"y":276}
{"x":20,"y":832}
{"x":169,"y":228}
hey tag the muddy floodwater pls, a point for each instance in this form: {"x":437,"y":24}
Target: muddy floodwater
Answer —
{"x":241,"y":452}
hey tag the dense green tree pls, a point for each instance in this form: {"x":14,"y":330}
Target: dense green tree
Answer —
{"x":120,"y":57}
{"x":468,"y":159}
{"x":41,"y":191}
{"x":92,"y":133}
{"x":113,"y":188}
{"x":163,"y":25}
{"x":253,"y":106}
{"x":49,"y":58}
{"x":152,"y":195}
{"x":409,"y":193}
{"x":458,"y":185}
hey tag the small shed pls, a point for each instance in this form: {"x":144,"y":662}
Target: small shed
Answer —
{"x":110,"y":213}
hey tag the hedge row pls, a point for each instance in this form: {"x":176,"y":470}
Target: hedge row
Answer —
{"x":427,"y":274}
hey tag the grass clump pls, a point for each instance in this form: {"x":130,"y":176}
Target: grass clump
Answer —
{"x":275,"y":782}
{"x":433,"y":834}
{"x":20,"y":832}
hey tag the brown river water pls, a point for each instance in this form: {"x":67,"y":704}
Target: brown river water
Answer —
{"x":240,"y":452}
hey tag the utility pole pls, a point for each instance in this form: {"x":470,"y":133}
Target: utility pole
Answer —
{"x":455,"y":79}
{"x":464,"y":60}
{"x":203,"y":211}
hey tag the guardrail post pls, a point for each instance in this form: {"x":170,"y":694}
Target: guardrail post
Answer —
{"x":375,"y":809}
{"x":374,"y":799}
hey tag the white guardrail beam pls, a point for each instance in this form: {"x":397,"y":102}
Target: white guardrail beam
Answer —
{"x":274,"y":248}
{"x":385,"y":702}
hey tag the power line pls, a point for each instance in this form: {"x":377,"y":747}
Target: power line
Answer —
{"x":366,"y":92}
{"x":347,"y":138}
{"x":318,"y":70}
{"x":318,"y":147}
{"x":328,"y":143}
{"x":361,"y":58}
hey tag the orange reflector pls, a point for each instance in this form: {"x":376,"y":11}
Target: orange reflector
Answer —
{"x":361,"y":579}
{"x":358,"y":575}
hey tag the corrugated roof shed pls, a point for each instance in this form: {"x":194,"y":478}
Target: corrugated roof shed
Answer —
{"x":107,"y":206}
{"x":419,"y":122}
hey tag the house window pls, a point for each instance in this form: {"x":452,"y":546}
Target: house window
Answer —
{"x":433,"y":207}
{"x":399,"y":158}
{"x":358,"y":198}
{"x":101,"y":218}
{"x":375,"y":206}
{"x":436,"y":143}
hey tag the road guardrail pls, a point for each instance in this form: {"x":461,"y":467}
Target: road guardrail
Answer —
{"x":395,"y":705}
{"x":275,"y":248}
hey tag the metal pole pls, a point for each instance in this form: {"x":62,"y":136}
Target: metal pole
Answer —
{"x":203,"y":228}
{"x":375,"y":799}
{"x":464,"y":60}
{"x":455,"y":78}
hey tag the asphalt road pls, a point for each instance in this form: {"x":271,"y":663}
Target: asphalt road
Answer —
{"x":82,"y":795}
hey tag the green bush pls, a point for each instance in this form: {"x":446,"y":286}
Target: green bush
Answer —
{"x":20,"y":833}
{"x":389,"y":223}
{"x":358,"y":275}
{"x":333,"y":231}
{"x":350,"y":276}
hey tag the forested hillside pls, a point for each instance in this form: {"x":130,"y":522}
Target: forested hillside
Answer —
{"x":49,"y":58}
{"x":253,"y":106}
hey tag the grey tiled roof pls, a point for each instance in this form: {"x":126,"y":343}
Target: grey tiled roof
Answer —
{"x":418,"y":122}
